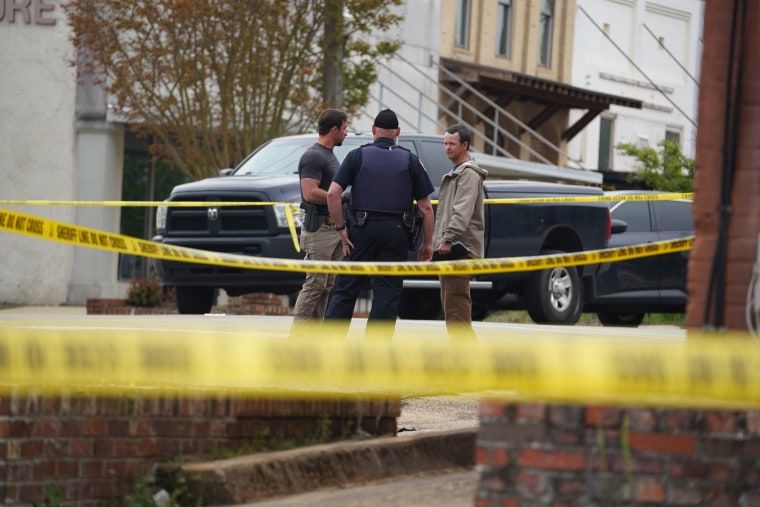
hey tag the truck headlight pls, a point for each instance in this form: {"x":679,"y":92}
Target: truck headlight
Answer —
{"x":282,"y":217}
{"x":161,"y":219}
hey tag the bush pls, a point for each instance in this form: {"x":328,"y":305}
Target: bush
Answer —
{"x":145,"y":292}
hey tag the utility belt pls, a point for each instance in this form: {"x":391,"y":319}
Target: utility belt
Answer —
{"x":411,"y":220}
{"x":312,"y":220}
{"x":361,"y":217}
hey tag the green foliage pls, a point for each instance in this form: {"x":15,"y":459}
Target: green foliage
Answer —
{"x":622,"y":496}
{"x":144,"y":495}
{"x":588,"y":319}
{"x":665,"y":319}
{"x":149,"y":493}
{"x":52,"y":498}
{"x":265,"y":441}
{"x":666,"y":169}
{"x":209,"y":81}
{"x":145,"y":292}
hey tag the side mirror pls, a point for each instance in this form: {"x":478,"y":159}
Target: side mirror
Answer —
{"x":617,"y":226}
{"x":226,"y":172}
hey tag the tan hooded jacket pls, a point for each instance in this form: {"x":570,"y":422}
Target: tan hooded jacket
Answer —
{"x":460,"y":214}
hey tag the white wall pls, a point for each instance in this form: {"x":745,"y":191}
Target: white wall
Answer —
{"x":599,"y":66}
{"x":100,"y":156}
{"x":56,"y":143}
{"x":406,"y":89}
{"x":37,"y":136}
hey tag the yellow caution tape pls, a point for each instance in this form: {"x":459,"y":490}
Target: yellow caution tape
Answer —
{"x":592,"y":198}
{"x":31,"y":225}
{"x":502,"y":363}
{"x":202,"y":204}
{"x":289,"y":210}
{"x":175,"y":204}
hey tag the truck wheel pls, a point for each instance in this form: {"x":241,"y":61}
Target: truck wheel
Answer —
{"x":194,"y":300}
{"x":554,"y":296}
{"x":620,"y":319}
{"x":419,"y":304}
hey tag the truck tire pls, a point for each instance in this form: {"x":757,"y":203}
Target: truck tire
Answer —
{"x":420,"y":304}
{"x":194,"y":300}
{"x":620,"y":319}
{"x":554,"y":296}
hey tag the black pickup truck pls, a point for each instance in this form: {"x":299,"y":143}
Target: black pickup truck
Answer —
{"x":269,"y":174}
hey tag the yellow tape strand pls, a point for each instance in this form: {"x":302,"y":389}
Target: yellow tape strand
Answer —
{"x":51,"y":230}
{"x":289,"y":210}
{"x":202,"y":204}
{"x":175,"y":204}
{"x":34,"y":357}
{"x":592,"y":198}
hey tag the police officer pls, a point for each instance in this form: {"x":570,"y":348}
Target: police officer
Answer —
{"x":385,"y":180}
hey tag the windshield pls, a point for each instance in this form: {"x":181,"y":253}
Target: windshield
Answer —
{"x":281,"y":156}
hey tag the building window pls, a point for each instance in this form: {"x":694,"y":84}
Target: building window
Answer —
{"x":462,"y":37}
{"x":605,"y":143}
{"x":504,"y":30}
{"x":545,"y":33}
{"x":674,"y":136}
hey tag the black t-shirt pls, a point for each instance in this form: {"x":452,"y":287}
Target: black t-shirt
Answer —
{"x":318,"y":163}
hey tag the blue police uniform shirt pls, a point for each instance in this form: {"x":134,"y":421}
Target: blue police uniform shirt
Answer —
{"x":372,"y":189}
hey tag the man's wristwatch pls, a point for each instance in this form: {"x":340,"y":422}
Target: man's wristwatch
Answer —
{"x":340,"y":228}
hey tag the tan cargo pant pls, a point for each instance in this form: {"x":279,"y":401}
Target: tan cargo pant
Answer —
{"x":321,"y":245}
{"x":457,"y":305}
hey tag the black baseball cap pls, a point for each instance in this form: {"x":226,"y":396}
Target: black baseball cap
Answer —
{"x":386,"y":119}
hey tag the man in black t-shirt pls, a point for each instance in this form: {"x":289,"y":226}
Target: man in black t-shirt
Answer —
{"x":316,"y":170}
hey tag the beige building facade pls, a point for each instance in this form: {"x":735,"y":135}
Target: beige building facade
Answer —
{"x":518,"y":57}
{"x":524,"y":30}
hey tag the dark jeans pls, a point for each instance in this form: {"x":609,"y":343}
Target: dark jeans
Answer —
{"x":380,"y":241}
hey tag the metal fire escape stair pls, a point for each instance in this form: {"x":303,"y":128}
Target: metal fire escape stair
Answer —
{"x":413,"y":91}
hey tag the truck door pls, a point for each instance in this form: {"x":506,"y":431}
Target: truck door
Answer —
{"x":672,"y":220}
{"x":636,"y":277}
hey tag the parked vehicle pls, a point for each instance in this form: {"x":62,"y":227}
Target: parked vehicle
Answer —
{"x":623,"y":292}
{"x":269,"y":174}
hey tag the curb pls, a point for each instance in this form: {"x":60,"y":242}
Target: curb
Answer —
{"x":259,"y":476}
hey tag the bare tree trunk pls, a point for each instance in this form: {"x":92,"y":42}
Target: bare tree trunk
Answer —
{"x":726,"y":207}
{"x":332,"y":84}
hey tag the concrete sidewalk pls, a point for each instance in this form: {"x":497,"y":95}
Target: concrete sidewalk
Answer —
{"x":256,"y":477}
{"x":436,"y":435}
{"x":44,"y":311}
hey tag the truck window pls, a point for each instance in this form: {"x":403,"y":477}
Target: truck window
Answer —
{"x":673,"y":215}
{"x":432,"y":155}
{"x":435,"y":159}
{"x":634,"y":213}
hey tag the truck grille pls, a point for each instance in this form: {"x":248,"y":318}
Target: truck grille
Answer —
{"x":220,"y":221}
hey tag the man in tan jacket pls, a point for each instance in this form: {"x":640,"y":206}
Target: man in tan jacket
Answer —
{"x":459,"y":217}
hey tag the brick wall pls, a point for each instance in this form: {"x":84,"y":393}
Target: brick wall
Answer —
{"x":94,"y":449}
{"x":566,"y":455}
